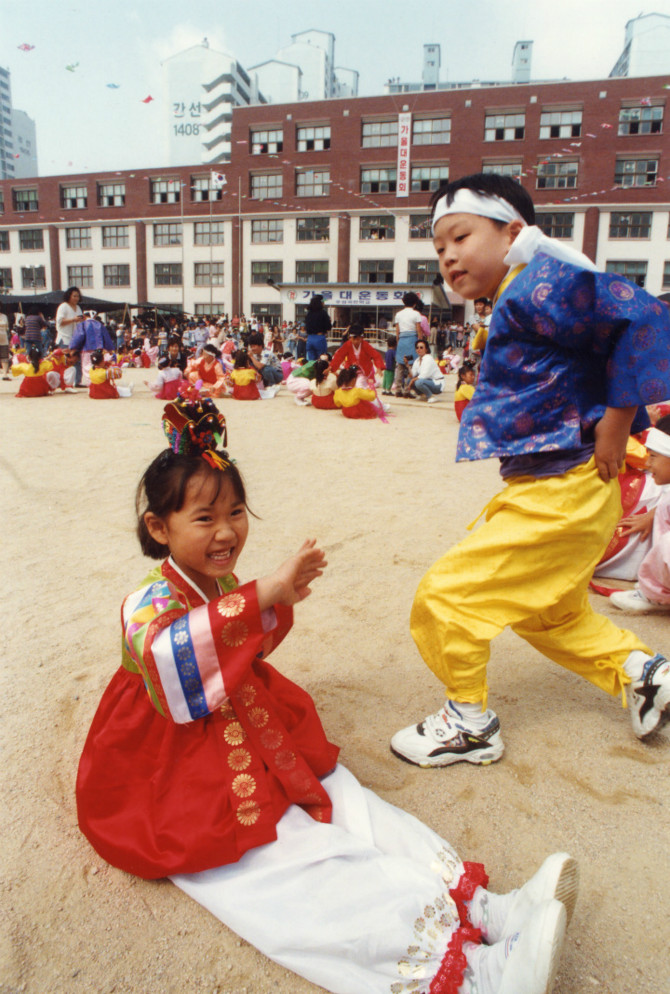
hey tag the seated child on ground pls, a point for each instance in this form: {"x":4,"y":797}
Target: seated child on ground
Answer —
{"x":323,"y":385}
{"x":652,"y":592}
{"x":246,"y":379}
{"x":168,"y":381}
{"x":465,"y":388}
{"x":39,"y":377}
{"x":354,"y":402}
{"x":105,"y":378}
{"x":206,"y":764}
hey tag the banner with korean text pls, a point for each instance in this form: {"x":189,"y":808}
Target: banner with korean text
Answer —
{"x":404,"y":142}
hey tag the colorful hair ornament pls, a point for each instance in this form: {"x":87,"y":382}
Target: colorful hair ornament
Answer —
{"x":193,"y":425}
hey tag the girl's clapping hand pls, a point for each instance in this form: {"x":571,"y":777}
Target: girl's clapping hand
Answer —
{"x":291,"y":582}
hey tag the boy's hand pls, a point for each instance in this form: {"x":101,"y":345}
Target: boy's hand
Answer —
{"x":291,"y":582}
{"x":612,"y":433}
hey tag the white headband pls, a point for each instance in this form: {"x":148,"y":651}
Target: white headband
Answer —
{"x":527,"y":243}
{"x":470,"y":202}
{"x":658,"y":441}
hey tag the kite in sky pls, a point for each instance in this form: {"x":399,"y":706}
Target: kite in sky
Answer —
{"x":147,"y":100}
{"x":113,"y":86}
{"x":72,"y":66}
{"x":25,"y":47}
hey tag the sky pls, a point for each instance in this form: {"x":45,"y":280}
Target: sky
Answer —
{"x":84,"y":125}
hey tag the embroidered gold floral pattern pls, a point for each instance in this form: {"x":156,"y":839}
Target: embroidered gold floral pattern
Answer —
{"x":234,"y":633}
{"x":258,"y":717}
{"x":248,"y":812}
{"x":285,"y":759}
{"x":271,"y":738}
{"x":244,"y":785}
{"x":231,"y":606}
{"x":234,"y":734}
{"x":239,"y":759}
{"x":247,"y":694}
{"x":227,"y":710}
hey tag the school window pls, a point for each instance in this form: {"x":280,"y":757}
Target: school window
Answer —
{"x":208,"y":274}
{"x":6,"y":281}
{"x":377,"y":134}
{"x":30,"y":239}
{"x":636,"y":172}
{"x":2,"y":202}
{"x":504,"y":127}
{"x":208,"y":233}
{"x":666,"y":275}
{"x":78,"y":238}
{"x":203,"y":190}
{"x":312,"y":229}
{"x":511,"y":169}
{"x":378,"y":180}
{"x":561,"y":124}
{"x":422,"y":270}
{"x":264,"y":186}
{"x":640,"y":120}
{"x":261,"y":272}
{"x":311,"y":271}
{"x":267,"y":230}
{"x":312,"y":183}
{"x":204,"y":310}
{"x":25,"y":200}
{"x":636,"y":224}
{"x":33,"y":277}
{"x":167,"y":274}
{"x":115,"y":236}
{"x":4,"y":241}
{"x":636,"y":271}
{"x":111,"y":194}
{"x":313,"y":139}
{"x":425,"y":178}
{"x":375,"y":271}
{"x":557,"y":175}
{"x":266,"y":141}
{"x":73,"y":196}
{"x":80,"y":276}
{"x":431,"y":131}
{"x":268,"y":313}
{"x":419,"y":226}
{"x":556,"y":225}
{"x":165,"y":191}
{"x":116,"y":275}
{"x":167,"y":233}
{"x":377,"y":227}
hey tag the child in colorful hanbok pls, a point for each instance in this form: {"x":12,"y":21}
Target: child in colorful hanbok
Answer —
{"x":207,"y":367}
{"x":245,"y":378}
{"x":205,"y":764}
{"x":465,"y":388}
{"x":324,"y":385}
{"x":104,"y":377}
{"x":571,"y":358}
{"x":652,"y":592}
{"x":355,"y":402}
{"x":168,"y":382}
{"x":39,"y":377}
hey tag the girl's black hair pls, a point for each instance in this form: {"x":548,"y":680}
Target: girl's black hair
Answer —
{"x":319,"y":370}
{"x":491,"y":185}
{"x":347,"y":375}
{"x":391,"y":341}
{"x":97,"y":357}
{"x":162,"y":490}
{"x":663,"y":424}
{"x":409,"y":299}
{"x":242,"y":359}
{"x":467,"y":367}
{"x":35,"y":356}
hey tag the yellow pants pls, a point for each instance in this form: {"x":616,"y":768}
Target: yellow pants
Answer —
{"x":528,"y":566}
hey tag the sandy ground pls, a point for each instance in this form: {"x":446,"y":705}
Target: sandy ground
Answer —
{"x":385,"y":501}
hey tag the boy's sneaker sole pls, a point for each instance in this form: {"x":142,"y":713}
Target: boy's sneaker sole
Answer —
{"x":481,"y":748}
{"x":650,"y":697}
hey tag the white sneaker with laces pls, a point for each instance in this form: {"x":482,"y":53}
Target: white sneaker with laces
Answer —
{"x":447,"y":737}
{"x":635,"y":602}
{"x":649,"y":695}
{"x":433,"y":399}
{"x":532,"y":963}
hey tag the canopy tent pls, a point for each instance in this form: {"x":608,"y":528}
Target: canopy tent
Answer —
{"x":51,"y":299}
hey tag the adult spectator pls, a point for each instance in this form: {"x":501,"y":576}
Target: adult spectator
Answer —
{"x":34,"y":326}
{"x":427,"y":378}
{"x":264,"y":361}
{"x":317,"y":326}
{"x":408,"y":326}
{"x":68,"y":317}
{"x":4,"y":344}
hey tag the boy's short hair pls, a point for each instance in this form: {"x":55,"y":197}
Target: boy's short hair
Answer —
{"x":663,"y":424}
{"x":490,"y":185}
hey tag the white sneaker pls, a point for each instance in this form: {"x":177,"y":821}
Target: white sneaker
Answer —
{"x":650,"y":696}
{"x":535,"y":952}
{"x":433,"y":399}
{"x":635,"y":602}
{"x":446,"y":737}
{"x":557,"y":879}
